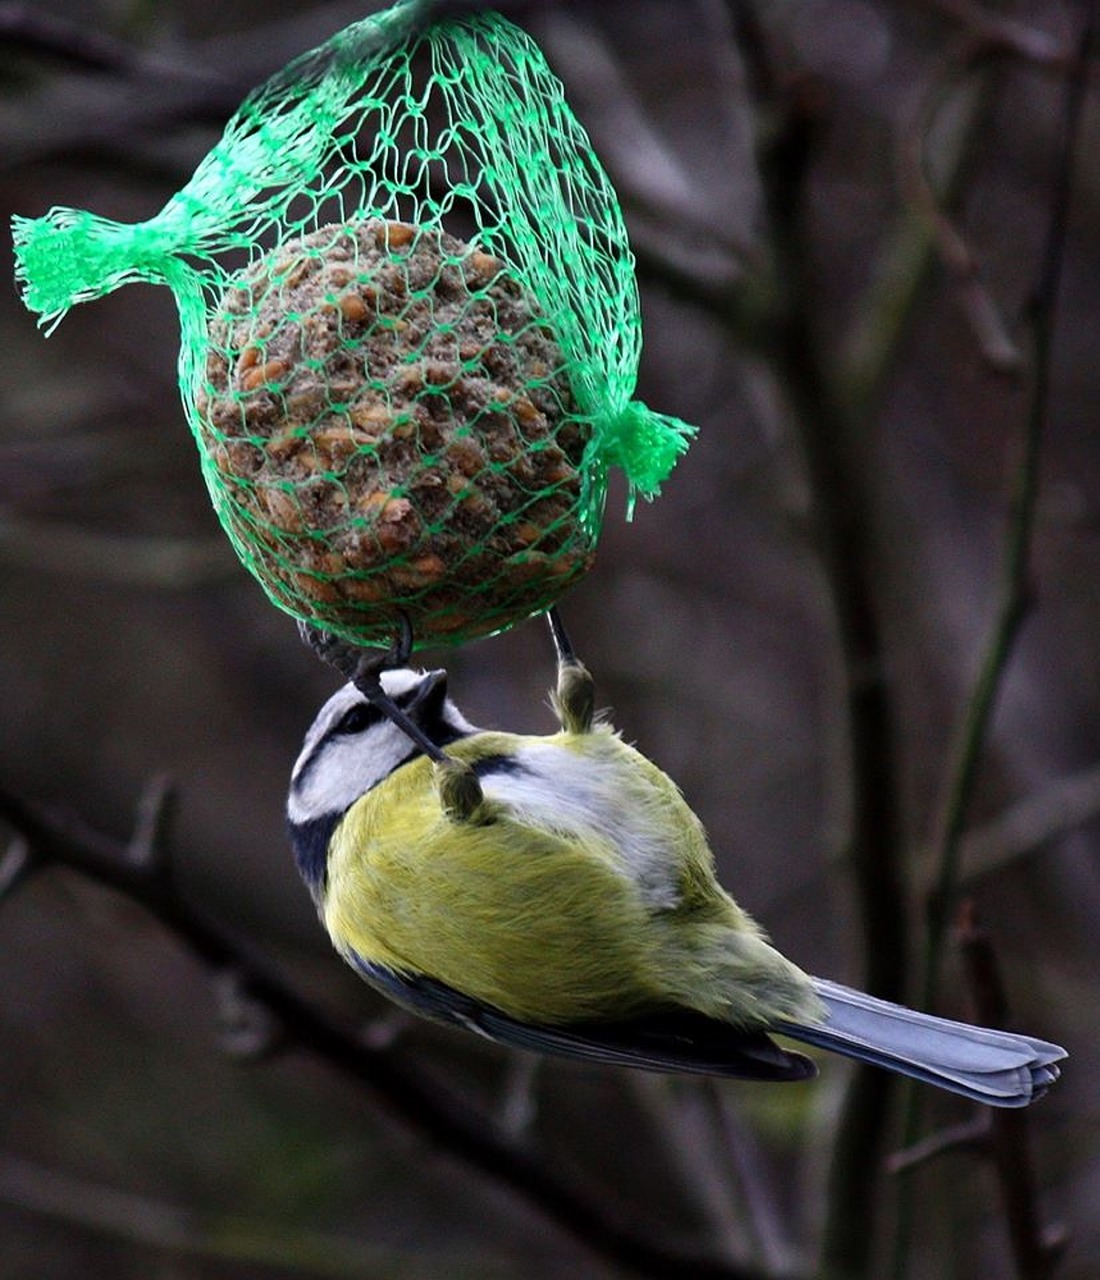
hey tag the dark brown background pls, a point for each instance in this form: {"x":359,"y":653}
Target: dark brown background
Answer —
{"x":131,"y":642}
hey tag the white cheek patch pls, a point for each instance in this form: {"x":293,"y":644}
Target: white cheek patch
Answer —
{"x":335,"y":768}
{"x":340,"y":702}
{"x":581,"y":796}
{"x":343,"y":769}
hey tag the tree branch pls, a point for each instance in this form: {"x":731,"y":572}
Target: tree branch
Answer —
{"x":418,"y":1102}
{"x":981,"y":312}
{"x":224,"y":1237}
{"x":1036,"y":1249}
{"x":844,"y":539}
{"x":1015,"y":588}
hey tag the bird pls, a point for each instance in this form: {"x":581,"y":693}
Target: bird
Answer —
{"x":558,"y":894}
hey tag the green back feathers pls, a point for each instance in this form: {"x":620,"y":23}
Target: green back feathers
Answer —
{"x":481,"y":907}
{"x":598,"y":900}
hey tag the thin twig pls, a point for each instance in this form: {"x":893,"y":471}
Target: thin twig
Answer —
{"x":152,"y":93}
{"x":842,"y":523}
{"x":970,"y":1135}
{"x":1036,"y":1249}
{"x":759,"y":1185}
{"x":1015,"y":588}
{"x":985,"y":28}
{"x":25,"y":29}
{"x":222,"y":1236}
{"x":998,"y":350}
{"x":699,"y":1156}
{"x":904,"y":259}
{"x":422,"y":1104}
{"x":46,"y":547}
{"x":1034,"y":820}
{"x":985,"y":36}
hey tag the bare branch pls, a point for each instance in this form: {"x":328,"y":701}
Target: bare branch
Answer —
{"x":972,"y":732}
{"x":422,"y":1104}
{"x":987,"y":30}
{"x":52,"y":547}
{"x":224,"y":1237}
{"x":1035,"y":1248}
{"x":969,"y":1135}
{"x":998,"y":350}
{"x":1015,"y":591}
{"x":1034,"y":820}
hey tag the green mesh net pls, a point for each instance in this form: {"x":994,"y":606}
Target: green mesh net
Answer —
{"x":410,"y":329}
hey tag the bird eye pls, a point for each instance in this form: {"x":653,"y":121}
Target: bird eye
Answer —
{"x":358,"y":718}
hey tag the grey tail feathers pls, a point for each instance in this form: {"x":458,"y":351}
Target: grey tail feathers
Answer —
{"x":998,"y":1068}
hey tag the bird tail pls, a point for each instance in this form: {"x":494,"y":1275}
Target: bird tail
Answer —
{"x":998,"y":1068}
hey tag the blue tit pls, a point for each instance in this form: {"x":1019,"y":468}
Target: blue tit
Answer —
{"x":557,"y":893}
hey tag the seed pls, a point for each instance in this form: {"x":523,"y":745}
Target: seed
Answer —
{"x":525,"y":412}
{"x":398,"y":526}
{"x":368,"y":503}
{"x":292,"y":270}
{"x":439,"y":373}
{"x":421,"y":572}
{"x":249,"y":356}
{"x":336,"y":443}
{"x":571,"y":562}
{"x":473,"y":504}
{"x":393,"y":235}
{"x":527,"y":565}
{"x":236,"y":459}
{"x":353,"y":308}
{"x":314,"y":588}
{"x":410,"y":380}
{"x":366,"y":590}
{"x":466,"y":456}
{"x":373,"y":419}
{"x":525,"y":533}
{"x":559,"y":473}
{"x":283,"y":509}
{"x":446,"y":623}
{"x":263,"y":375}
{"x":484,"y":264}
{"x":284,"y":444}
{"x":305,"y":404}
{"x":394,"y":510}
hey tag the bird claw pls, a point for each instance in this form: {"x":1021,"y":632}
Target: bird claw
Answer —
{"x":364,"y":670}
{"x":459,"y":788}
{"x":574,"y":699}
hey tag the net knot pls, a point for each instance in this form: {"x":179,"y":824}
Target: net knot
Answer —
{"x":69,"y":256}
{"x":644,"y":444}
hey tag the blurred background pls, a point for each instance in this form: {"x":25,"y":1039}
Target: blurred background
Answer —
{"x":840,"y":212}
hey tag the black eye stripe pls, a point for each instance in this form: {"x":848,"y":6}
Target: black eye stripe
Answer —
{"x":356,"y":719}
{"x":364,"y":714}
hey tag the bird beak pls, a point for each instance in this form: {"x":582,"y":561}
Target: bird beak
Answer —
{"x":426,"y":705}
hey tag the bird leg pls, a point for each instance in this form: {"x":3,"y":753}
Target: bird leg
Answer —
{"x":365,"y":670}
{"x":459,"y":787}
{"x":574,"y":698}
{"x":460,"y":793}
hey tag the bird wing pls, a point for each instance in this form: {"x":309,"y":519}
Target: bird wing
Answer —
{"x":676,"y":1041}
